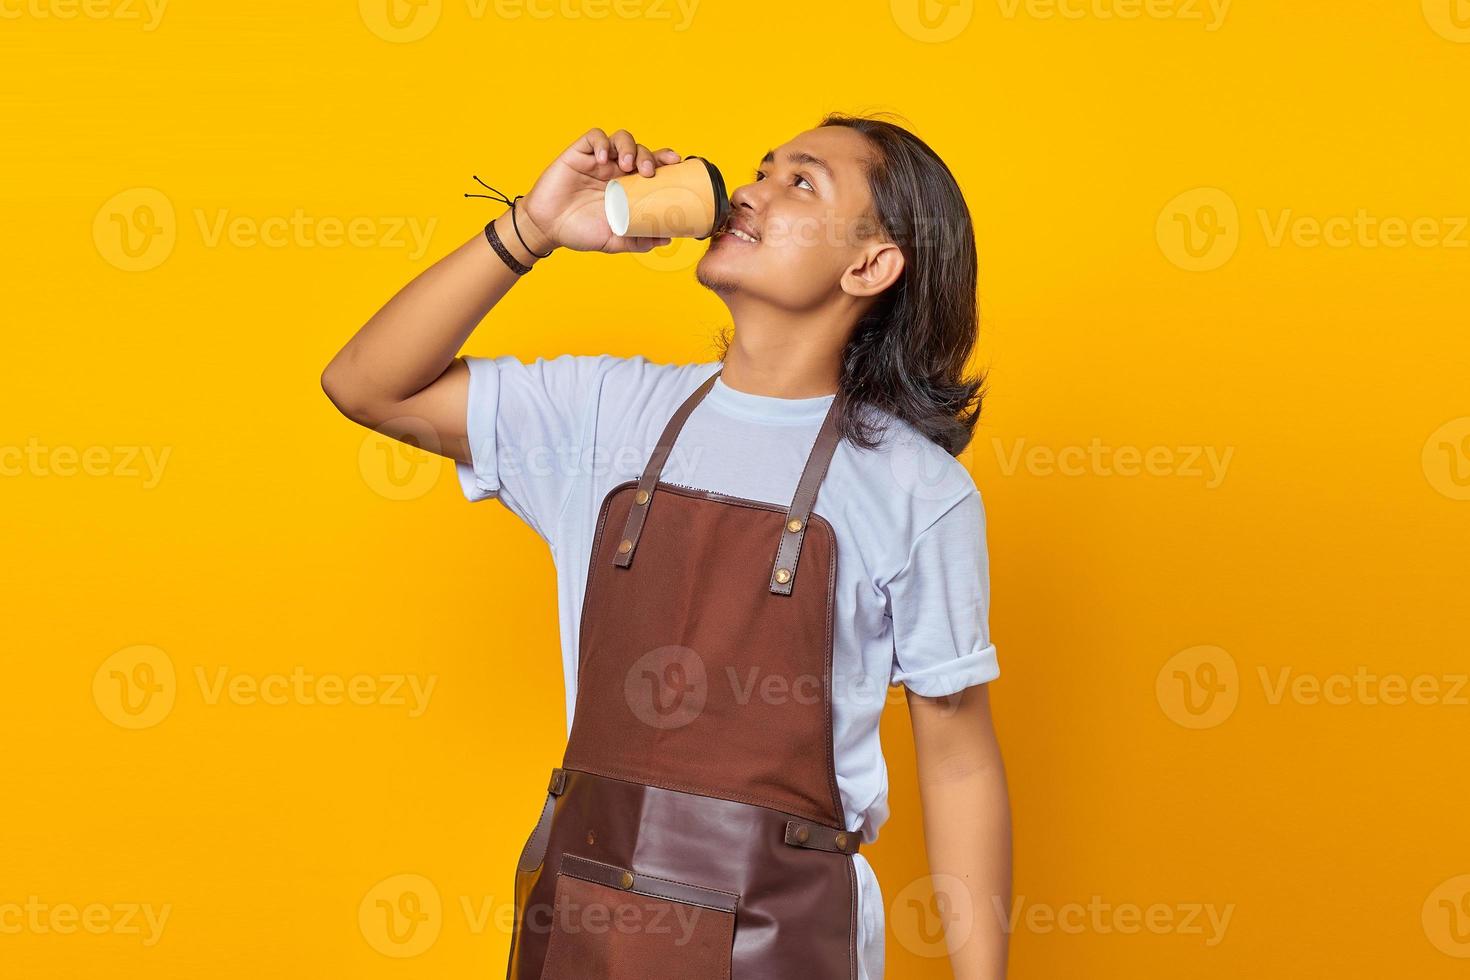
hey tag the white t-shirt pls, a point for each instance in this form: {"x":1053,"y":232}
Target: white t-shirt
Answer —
{"x":551,"y":437}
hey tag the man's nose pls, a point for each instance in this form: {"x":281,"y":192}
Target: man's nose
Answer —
{"x":746,"y":196}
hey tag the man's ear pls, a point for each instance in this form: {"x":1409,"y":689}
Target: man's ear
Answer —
{"x":876,"y":267}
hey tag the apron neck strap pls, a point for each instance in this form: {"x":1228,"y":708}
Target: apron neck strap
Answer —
{"x":783,"y":572}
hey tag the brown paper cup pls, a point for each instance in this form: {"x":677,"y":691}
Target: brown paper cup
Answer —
{"x":680,"y":200}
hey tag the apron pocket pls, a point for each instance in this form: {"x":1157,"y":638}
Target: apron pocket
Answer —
{"x":614,"y":924}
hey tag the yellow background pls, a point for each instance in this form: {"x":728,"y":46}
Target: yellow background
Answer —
{"x":1144,"y":619}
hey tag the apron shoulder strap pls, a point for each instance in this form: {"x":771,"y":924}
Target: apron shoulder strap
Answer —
{"x":783,"y":572}
{"x":651,"y":472}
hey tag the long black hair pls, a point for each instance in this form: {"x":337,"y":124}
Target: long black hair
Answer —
{"x":908,"y":353}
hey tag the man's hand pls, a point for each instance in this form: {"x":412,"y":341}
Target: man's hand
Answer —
{"x":565,"y":205}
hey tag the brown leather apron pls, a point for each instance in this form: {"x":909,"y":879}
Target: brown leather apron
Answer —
{"x":695,"y":830}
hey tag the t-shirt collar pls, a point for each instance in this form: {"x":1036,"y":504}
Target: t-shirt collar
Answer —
{"x":767,"y":408}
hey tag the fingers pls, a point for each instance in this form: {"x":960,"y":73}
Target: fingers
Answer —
{"x":626,"y":149}
{"x":643,"y":159}
{"x":595,"y":143}
{"x":628,"y":154}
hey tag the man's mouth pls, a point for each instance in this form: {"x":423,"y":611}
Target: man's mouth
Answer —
{"x":740,"y":233}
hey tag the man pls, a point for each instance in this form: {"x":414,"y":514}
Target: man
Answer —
{"x":748,"y":551}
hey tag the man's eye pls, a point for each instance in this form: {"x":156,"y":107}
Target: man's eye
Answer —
{"x":760,"y":175}
{"x":806,"y":182}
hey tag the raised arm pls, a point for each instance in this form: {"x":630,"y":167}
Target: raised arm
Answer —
{"x":400,"y":373}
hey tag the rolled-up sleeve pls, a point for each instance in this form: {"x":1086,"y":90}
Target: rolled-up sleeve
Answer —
{"x":940,"y":606}
{"x":480,"y":479}
{"x":530,"y":427}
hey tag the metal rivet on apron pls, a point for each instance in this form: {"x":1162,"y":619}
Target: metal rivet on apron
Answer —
{"x":841,"y":840}
{"x":641,"y":497}
{"x":783,"y":575}
{"x":591,"y":837}
{"x":794,"y":525}
{"x":626,"y":880}
{"x":803,"y":834}
{"x":625,"y":547}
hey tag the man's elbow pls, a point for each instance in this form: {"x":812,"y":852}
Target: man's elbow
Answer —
{"x":348,"y":395}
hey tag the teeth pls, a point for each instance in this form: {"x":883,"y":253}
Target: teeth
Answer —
{"x":742,"y":236}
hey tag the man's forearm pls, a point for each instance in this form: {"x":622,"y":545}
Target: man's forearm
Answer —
{"x":967,"y":830}
{"x":967,"y":827}
{"x":410,"y":342}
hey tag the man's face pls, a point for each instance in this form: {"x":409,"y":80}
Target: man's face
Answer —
{"x":808,"y":210}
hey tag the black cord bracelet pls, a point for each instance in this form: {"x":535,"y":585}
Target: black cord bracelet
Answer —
{"x":518,"y":229}
{"x":493,"y":237}
{"x":498,"y":196}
